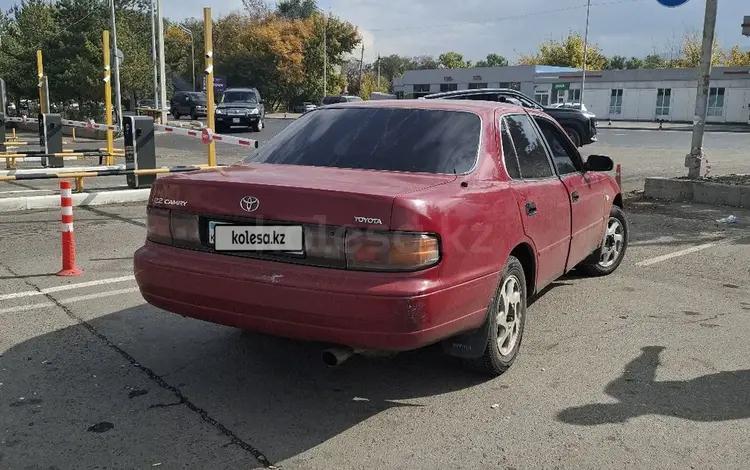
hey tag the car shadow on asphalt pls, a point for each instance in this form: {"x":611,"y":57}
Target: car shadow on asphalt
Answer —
{"x":722,"y":396}
{"x":275,"y":395}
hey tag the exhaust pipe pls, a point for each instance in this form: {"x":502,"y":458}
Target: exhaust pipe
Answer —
{"x":336,"y":356}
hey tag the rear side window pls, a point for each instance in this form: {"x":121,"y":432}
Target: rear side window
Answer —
{"x":393,"y":139}
{"x":532,"y":157}
{"x":509,"y":152}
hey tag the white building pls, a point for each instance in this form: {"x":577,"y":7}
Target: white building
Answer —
{"x":642,"y":94}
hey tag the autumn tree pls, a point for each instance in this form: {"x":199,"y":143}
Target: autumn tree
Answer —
{"x":735,"y":58}
{"x":566,"y":52}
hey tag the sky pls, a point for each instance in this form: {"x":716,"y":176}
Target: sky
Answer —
{"x":476,"y":28}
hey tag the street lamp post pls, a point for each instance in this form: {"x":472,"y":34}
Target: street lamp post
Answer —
{"x":585,"y":50}
{"x":153,"y":55}
{"x":116,"y":67}
{"x":192,"y":49}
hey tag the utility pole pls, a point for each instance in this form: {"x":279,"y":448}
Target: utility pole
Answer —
{"x":378,"y":71}
{"x":585,"y":50}
{"x":153,"y":54}
{"x":325,"y":54}
{"x":361,"y":62}
{"x":118,"y":96}
{"x":162,"y":72}
{"x":694,"y":160}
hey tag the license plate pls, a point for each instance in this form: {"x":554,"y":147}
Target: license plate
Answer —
{"x":236,"y":120}
{"x":286,"y":238}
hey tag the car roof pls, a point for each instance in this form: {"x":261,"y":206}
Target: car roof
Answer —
{"x":241,"y":89}
{"x":475,"y":106}
{"x":474,"y":91}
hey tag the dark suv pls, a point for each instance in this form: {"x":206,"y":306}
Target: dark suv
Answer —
{"x":240,"y":107}
{"x":188,"y":103}
{"x":578,"y":124}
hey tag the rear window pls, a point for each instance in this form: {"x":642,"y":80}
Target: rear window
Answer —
{"x":392,"y":139}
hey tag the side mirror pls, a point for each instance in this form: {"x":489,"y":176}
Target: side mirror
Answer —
{"x":599,"y":163}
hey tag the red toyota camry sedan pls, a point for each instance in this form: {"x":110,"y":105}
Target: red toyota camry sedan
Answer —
{"x":386,"y":226}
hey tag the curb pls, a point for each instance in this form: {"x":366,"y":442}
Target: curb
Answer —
{"x":94,"y":198}
{"x":687,"y":129}
{"x":702,"y":192}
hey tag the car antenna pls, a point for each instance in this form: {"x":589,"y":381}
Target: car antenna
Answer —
{"x":464,"y":184}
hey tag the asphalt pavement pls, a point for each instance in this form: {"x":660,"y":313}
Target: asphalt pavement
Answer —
{"x":646,"y":368}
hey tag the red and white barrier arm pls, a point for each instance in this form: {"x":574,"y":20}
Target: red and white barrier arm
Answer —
{"x":21,"y":119}
{"x":206,"y":135}
{"x":90,"y":125}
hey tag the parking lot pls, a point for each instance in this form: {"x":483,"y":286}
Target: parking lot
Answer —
{"x":643,"y":368}
{"x":647,"y":367}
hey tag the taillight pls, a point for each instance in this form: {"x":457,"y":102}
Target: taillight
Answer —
{"x":157,"y":225}
{"x":391,"y":251}
{"x":184,"y":228}
{"x":171,"y":227}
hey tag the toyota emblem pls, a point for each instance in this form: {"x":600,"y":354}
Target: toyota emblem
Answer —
{"x":249,"y":203}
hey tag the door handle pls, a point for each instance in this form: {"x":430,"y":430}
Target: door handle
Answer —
{"x":574,"y":196}
{"x":530,"y":208}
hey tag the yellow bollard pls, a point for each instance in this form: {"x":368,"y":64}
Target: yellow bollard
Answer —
{"x":74,"y":134}
{"x":108,"y":96}
{"x":40,"y":76}
{"x":208,"y":41}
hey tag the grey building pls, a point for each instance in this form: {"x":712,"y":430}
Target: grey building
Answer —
{"x":641,"y":94}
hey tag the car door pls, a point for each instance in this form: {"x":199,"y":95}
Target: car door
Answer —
{"x":585,"y":190}
{"x":542,"y":198}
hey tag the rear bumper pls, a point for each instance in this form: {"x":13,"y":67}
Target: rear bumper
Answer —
{"x":356,"y":309}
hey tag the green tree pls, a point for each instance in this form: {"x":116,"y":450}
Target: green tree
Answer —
{"x":452,"y":60}
{"x":634,"y":63}
{"x":566,"y":52}
{"x":297,"y":9}
{"x":492,"y":60}
{"x":654,"y":61}
{"x":616,"y":62}
{"x":735,"y":58}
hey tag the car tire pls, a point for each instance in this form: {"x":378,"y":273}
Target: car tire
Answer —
{"x":258,"y":126}
{"x":194,"y":115}
{"x":613,"y":247}
{"x":504,"y":334}
{"x":574,"y":136}
{"x":175,"y":115}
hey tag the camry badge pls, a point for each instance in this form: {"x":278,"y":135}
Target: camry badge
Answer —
{"x":249,"y":203}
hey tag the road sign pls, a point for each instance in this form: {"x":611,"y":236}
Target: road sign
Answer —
{"x":560,"y":86}
{"x":746,"y":26}
{"x":119,"y":56}
{"x":672,"y":3}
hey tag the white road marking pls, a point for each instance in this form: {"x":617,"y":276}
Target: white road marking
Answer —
{"x":80,"y":285}
{"x":687,"y":251}
{"x":69,"y":300}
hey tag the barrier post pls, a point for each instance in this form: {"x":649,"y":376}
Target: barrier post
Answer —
{"x":40,"y":75}
{"x":140,"y":149}
{"x":108,"y":97}
{"x":69,"y":267}
{"x":50,"y":139}
{"x":208,"y":41}
{"x":3,"y":147}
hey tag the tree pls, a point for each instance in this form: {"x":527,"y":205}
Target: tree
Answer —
{"x":735,"y":58}
{"x":296,"y":9}
{"x":566,"y":52}
{"x":257,"y":8}
{"x":654,"y":61}
{"x":690,"y":52}
{"x":493,"y":60}
{"x":617,"y":62}
{"x":452,"y":60}
{"x":634,"y":63}
{"x":370,"y":84}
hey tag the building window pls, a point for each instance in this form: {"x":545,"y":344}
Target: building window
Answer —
{"x":542,"y":97}
{"x":615,"y":102}
{"x":574,"y":96}
{"x":399,"y":95}
{"x":421,"y":90}
{"x":716,"y":101}
{"x":476,"y":86}
{"x":663,"y":98}
{"x":448,"y":87}
{"x":512,"y":85}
